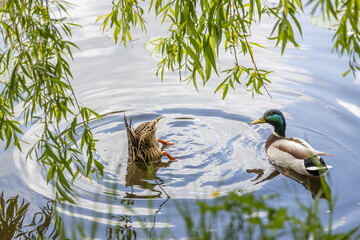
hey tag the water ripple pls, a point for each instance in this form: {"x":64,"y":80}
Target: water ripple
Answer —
{"x":214,"y":149}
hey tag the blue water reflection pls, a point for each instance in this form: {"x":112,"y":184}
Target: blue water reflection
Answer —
{"x":216,"y":149}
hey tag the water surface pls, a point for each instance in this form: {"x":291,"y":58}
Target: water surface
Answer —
{"x":217,"y":149}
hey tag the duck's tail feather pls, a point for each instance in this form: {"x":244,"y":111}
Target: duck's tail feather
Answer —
{"x":130,"y":132}
{"x":315,"y":166}
{"x":324,"y":154}
{"x":152,"y":126}
{"x":132,"y":140}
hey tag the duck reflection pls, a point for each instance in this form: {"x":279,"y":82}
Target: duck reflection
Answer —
{"x":312,"y":184}
{"x":143,"y":175}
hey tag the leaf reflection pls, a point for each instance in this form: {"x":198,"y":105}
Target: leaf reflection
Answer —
{"x":125,"y":229}
{"x":13,"y":212}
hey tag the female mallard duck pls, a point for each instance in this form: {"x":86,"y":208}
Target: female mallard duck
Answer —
{"x":291,"y":153}
{"x":142,"y":143}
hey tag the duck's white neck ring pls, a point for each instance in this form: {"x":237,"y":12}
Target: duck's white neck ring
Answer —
{"x":276,"y":134}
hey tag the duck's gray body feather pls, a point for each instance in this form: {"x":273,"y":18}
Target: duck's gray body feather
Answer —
{"x":296,"y":154}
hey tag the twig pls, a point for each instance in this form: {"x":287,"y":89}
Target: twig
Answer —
{"x":251,"y":54}
{"x":253,"y":61}
{"x":156,"y":213}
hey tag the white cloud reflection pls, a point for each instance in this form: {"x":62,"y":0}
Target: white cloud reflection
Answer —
{"x":350,"y":107}
{"x":95,"y":52}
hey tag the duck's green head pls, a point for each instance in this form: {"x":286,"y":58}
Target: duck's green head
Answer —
{"x":275,"y":118}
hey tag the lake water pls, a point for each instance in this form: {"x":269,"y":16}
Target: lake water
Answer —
{"x":217,"y":149}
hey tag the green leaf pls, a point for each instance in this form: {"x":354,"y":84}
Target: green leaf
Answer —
{"x":50,"y":173}
{"x":209,"y":53}
{"x":299,"y":4}
{"x":256,"y":44}
{"x":225,"y":91}
{"x":65,"y":196}
{"x":346,"y":73}
{"x":192,"y":54}
{"x":99,"y":166}
{"x":208,"y":67}
{"x":89,"y":162}
{"x":297,"y":23}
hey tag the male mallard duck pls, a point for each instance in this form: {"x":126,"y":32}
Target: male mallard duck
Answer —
{"x":291,"y":153}
{"x":142,"y":143}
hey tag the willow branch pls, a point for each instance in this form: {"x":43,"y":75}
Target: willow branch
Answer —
{"x":253,"y":61}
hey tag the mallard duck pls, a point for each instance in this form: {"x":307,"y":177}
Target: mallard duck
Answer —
{"x":142,"y":143}
{"x":291,"y":153}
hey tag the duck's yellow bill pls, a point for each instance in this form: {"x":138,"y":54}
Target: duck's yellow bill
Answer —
{"x":260,"y":120}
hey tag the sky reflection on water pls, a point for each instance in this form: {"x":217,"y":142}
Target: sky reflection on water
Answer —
{"x":216,"y":149}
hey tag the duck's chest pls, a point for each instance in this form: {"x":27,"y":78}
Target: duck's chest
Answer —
{"x":271,"y":140}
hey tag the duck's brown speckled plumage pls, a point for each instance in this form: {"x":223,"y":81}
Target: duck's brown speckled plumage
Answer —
{"x":142,"y":142}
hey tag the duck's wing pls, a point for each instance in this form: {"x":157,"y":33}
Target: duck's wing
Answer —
{"x":296,"y":148}
{"x":296,"y":154}
{"x":303,"y":148}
